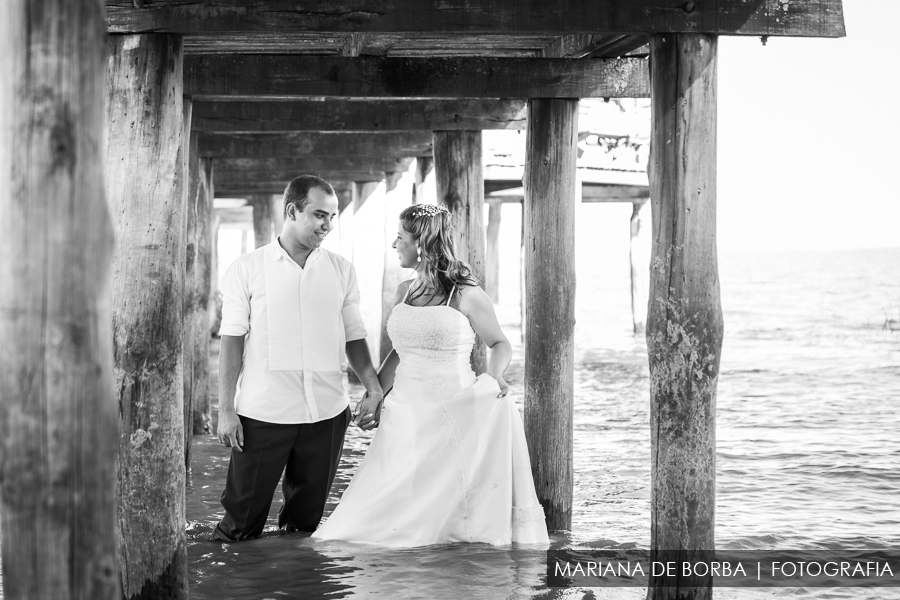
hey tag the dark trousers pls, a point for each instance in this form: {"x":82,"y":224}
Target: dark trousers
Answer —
{"x":308,"y":453}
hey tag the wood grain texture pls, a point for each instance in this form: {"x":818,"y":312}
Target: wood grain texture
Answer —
{"x":459,"y":179}
{"x":145,"y":176}
{"x":241,"y":75}
{"x":197,"y":308}
{"x":272,"y":145}
{"x":549,"y":248}
{"x":338,"y":114}
{"x":190,"y":189}
{"x":311,"y":164}
{"x":58,"y":416}
{"x":823,"y":18}
{"x":684,"y":322}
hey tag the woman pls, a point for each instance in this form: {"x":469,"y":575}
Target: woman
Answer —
{"x":449,"y":462}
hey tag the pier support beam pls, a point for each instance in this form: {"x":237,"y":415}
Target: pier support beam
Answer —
{"x":640,"y":263}
{"x":684,"y":324}
{"x":189,"y":189}
{"x":145,"y":178}
{"x":198,"y":289}
{"x":459,"y":177}
{"x":549,"y":212}
{"x":58,"y":416}
{"x":263,"y":220}
{"x":398,"y":195}
{"x":492,"y":253}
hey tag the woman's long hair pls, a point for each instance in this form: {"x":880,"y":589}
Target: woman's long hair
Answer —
{"x":432,"y":228}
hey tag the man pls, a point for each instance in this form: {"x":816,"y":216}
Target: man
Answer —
{"x":290,"y":311}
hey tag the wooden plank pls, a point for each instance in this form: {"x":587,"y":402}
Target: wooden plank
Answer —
{"x":614,"y":193}
{"x":339,"y":114}
{"x":820,"y":18}
{"x":220,"y":76}
{"x":227,"y":179}
{"x":144,"y":179}
{"x":309,"y":164}
{"x":271,"y":145}
{"x":57,"y":408}
{"x":245,"y":189}
{"x":459,"y":178}
{"x":549,"y":212}
{"x":684,"y":321}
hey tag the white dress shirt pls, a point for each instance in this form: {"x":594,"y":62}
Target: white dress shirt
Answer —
{"x":296,"y":321}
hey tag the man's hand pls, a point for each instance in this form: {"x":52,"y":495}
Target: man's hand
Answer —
{"x":369,"y":410}
{"x":230,"y":430}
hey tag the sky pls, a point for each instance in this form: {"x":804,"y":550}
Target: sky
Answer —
{"x":808,"y":149}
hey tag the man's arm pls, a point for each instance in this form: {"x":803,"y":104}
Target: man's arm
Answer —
{"x":231,"y":360}
{"x":361,"y":362}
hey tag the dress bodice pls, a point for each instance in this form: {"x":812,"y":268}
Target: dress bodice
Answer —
{"x":434,"y":344}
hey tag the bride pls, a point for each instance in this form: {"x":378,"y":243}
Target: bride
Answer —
{"x":449,"y":462}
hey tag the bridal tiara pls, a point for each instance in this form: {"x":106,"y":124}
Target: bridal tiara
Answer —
{"x":429,"y":210}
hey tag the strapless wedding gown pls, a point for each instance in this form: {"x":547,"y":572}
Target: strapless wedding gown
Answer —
{"x":449,"y":462}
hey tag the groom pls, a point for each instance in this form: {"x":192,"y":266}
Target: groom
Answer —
{"x":290,"y":311}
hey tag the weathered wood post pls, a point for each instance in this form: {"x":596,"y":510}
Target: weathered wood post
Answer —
{"x":492,"y":254}
{"x":459,"y":178}
{"x":398,"y":195}
{"x":197,"y":291}
{"x":425,"y":186}
{"x":145,"y":176}
{"x":263,"y":222}
{"x":640,"y":272}
{"x":684,"y":325}
{"x":191,"y":155}
{"x":58,"y":416}
{"x":550,"y":301}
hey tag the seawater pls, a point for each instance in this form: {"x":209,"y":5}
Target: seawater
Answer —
{"x":807,"y":440}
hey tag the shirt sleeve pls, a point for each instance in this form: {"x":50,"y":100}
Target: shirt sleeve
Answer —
{"x":354,"y":329}
{"x":235,"y":301}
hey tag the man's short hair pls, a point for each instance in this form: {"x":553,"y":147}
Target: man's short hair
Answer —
{"x":297,"y":191}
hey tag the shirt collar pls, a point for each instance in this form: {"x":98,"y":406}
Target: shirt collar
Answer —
{"x":277,"y":252}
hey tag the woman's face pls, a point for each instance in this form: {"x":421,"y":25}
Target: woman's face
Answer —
{"x":406,"y":247}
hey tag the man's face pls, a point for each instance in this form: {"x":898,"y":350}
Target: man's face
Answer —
{"x":315,"y":221}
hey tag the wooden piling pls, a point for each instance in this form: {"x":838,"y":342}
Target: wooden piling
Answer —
{"x":145,"y":175}
{"x":550,"y":301}
{"x":398,"y":195}
{"x":640,"y":272}
{"x":198,"y":285}
{"x":58,"y":421}
{"x":492,"y":253}
{"x":459,"y":178}
{"x":684,"y":324}
{"x":263,"y":223}
{"x":191,"y":163}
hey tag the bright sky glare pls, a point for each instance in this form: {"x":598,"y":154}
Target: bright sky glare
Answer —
{"x":808,"y":137}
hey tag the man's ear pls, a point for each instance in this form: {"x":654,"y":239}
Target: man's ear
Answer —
{"x":292,"y":212}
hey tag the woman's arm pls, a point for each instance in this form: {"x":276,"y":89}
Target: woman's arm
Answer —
{"x":477,"y":307}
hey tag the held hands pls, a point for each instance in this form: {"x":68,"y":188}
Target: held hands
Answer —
{"x":368,"y":411}
{"x":230,"y":431}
